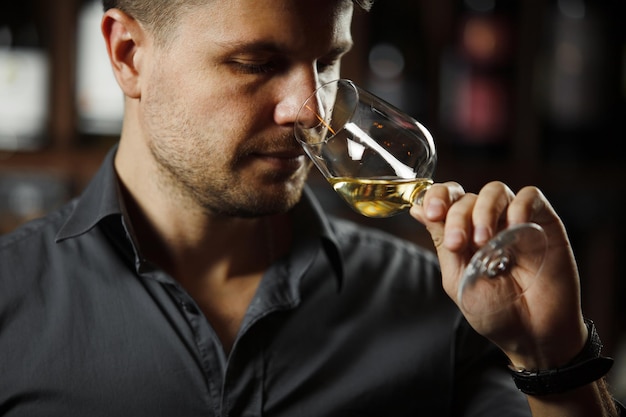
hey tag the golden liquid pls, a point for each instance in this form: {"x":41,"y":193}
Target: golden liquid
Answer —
{"x":381,"y":197}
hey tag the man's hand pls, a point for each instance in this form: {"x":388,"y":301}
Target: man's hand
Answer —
{"x":544,"y":328}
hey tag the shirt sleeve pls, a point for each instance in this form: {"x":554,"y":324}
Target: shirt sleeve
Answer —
{"x":483,"y":386}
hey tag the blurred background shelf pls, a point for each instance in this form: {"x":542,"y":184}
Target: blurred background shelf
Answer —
{"x":77,"y":165}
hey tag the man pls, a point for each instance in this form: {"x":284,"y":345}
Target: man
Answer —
{"x":194,"y":277}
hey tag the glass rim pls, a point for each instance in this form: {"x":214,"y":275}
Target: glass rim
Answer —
{"x":339,"y":81}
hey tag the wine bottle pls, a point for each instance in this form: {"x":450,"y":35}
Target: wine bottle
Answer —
{"x":24,"y":78}
{"x":478,"y":77}
{"x":99,"y":100}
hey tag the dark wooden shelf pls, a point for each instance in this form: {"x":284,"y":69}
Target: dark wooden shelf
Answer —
{"x":76,"y":166}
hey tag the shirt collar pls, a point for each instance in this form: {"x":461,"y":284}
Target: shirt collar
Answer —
{"x":99,"y":200}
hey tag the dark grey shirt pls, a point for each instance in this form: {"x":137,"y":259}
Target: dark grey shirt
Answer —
{"x":352,"y":323}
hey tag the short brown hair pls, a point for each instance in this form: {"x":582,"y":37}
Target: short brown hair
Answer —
{"x":162,"y":14}
{"x":158,"y":16}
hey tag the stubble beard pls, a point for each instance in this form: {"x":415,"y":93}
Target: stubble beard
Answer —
{"x":237,"y":199}
{"x":226,"y":192}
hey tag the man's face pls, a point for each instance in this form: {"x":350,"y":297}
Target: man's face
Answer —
{"x":218,"y":105}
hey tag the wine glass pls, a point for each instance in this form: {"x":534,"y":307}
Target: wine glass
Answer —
{"x":381,"y":162}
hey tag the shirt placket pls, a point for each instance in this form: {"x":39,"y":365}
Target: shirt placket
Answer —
{"x":211,"y":356}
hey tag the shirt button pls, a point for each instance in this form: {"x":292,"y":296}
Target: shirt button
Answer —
{"x":189,"y":307}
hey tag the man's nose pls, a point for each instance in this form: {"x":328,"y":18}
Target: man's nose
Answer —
{"x":295,"y":93}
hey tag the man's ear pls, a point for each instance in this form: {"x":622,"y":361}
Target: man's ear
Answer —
{"x":124,"y":36}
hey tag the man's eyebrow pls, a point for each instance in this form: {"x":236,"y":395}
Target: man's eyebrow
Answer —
{"x":274,"y":47}
{"x":249,"y":46}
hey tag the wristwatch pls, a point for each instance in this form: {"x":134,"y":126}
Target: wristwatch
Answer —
{"x":586,"y":367}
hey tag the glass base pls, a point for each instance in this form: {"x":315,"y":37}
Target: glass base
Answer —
{"x":502,"y":270}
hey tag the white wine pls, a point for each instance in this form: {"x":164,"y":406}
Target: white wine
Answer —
{"x":379,"y":197}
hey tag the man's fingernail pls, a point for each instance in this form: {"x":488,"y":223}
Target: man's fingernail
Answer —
{"x":454,"y":238}
{"x":435,"y":208}
{"x":481,"y":234}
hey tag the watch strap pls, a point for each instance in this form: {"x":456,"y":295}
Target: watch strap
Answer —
{"x":586,"y":367}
